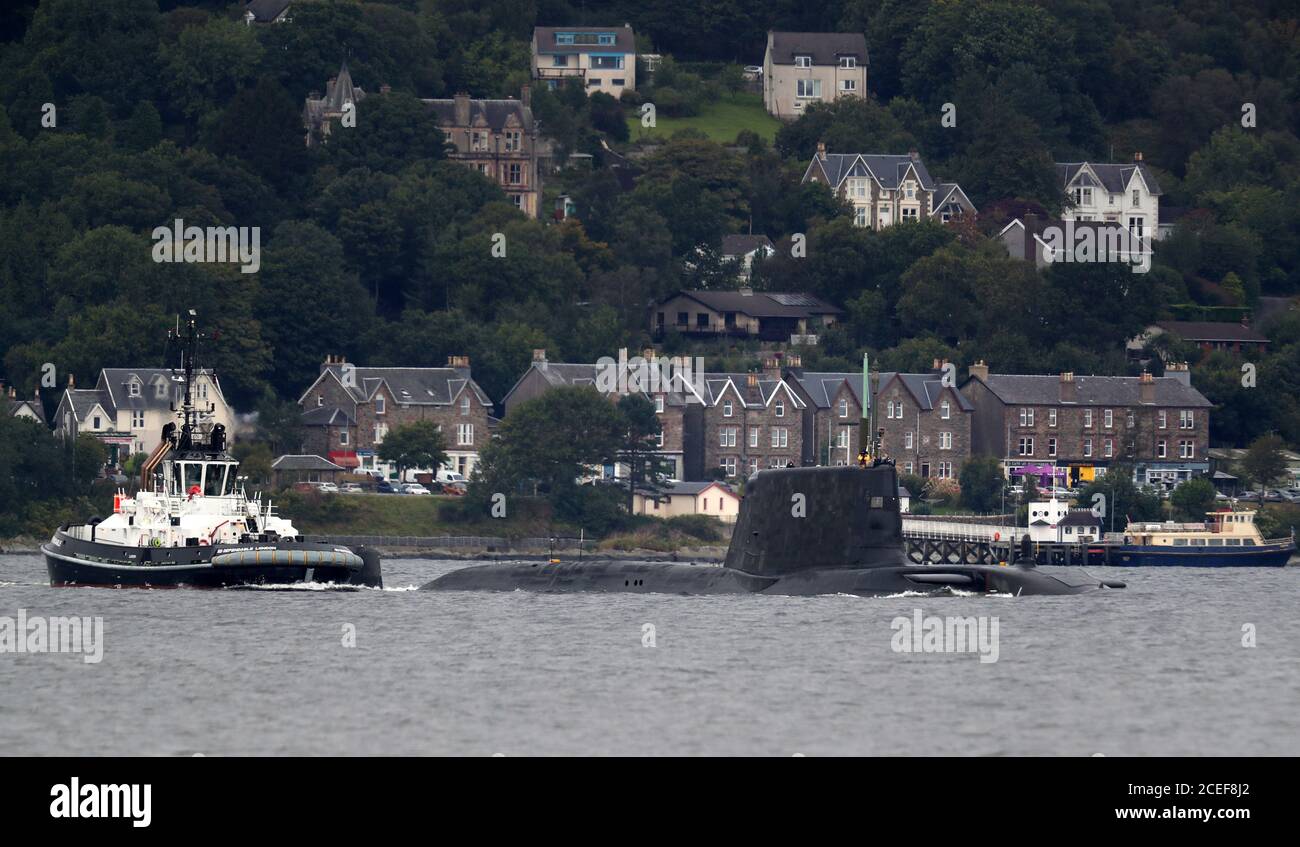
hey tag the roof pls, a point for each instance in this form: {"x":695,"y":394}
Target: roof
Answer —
{"x":676,"y":488}
{"x":824,"y":47}
{"x":584,"y":374}
{"x":15,"y":404}
{"x":416,"y":386}
{"x":821,"y":387}
{"x":759,"y":395}
{"x":495,"y":114}
{"x":1080,"y":517}
{"x":1113,"y":177}
{"x":1213,"y":331}
{"x":1045,"y":390}
{"x":743,"y":245}
{"x":1035,"y":226}
{"x":624,"y":39}
{"x":159,"y":388}
{"x":338,"y":92}
{"x":926,"y":389}
{"x":327,"y":416}
{"x":298,"y":462}
{"x":761,"y":304}
{"x":888,"y":169}
{"x":266,"y":11}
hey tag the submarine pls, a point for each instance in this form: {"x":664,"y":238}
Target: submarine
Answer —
{"x":800,"y":531}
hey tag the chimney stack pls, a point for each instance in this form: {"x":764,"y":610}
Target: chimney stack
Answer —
{"x":772,"y":366}
{"x":913,"y":155}
{"x":1179,"y":371}
{"x":1069,"y":388}
{"x":539,"y":354}
{"x":821,"y":150}
{"x":1146,"y":389}
{"x":458,"y":361}
{"x":72,"y":382}
{"x":1137,"y":156}
{"x":526,"y":95}
{"x":462,"y":108}
{"x":979,"y":370}
{"x":752,"y":380}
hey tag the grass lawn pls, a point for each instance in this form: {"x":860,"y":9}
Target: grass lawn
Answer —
{"x":720,"y":121}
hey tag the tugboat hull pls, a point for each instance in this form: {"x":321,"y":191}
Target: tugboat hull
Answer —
{"x":72,"y":561}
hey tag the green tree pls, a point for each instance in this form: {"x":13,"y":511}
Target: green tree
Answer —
{"x":981,"y":484}
{"x":1265,"y":462}
{"x":1193,"y":498}
{"x":414,"y":445}
{"x":638,"y":448}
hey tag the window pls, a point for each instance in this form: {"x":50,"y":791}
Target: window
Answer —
{"x":379,"y":405}
{"x":1108,"y":418}
{"x":910,"y":215}
{"x":94,"y":424}
{"x":842,"y":439}
{"x":1110,"y":447}
{"x":1026,"y":417}
{"x":464,"y":434}
{"x":1087,"y":447}
{"x":514,"y":140}
{"x":907,"y":468}
{"x":808,"y":88}
{"x":780,"y":436}
{"x":945,"y":410}
{"x":560,"y":60}
{"x":659,"y":404}
{"x":1129,"y":420}
{"x":1051,"y":447}
{"x":381,"y":430}
{"x":728,"y":464}
{"x":617,"y":81}
{"x":844,"y":408}
{"x":849,"y":86}
{"x":780,"y":408}
{"x":848,"y":61}
{"x":1187,"y":449}
{"x":944,"y":470}
{"x":726,"y":408}
{"x":753,"y":436}
{"x":683,"y":318}
{"x":1083,"y":196}
{"x":727,"y":436}
{"x":1137,"y":197}
{"x":464,"y":405}
{"x":478,"y":140}
{"x":202,"y":390}
{"x":137,"y":420}
{"x":1186,"y":419}
{"x":1051,"y":417}
{"x":514,"y":173}
{"x":860,"y":216}
{"x":659,"y":438}
{"x":1112,"y":199}
{"x":1087,"y":418}
{"x":1026,"y":446}
{"x":753,"y":466}
{"x":1162,"y":449}
{"x":1135,"y":226}
{"x":803,"y":61}
{"x":945,"y":441}
{"x":607,"y":63}
{"x":343,"y":438}
{"x":133,"y":388}
{"x":1163,"y":417}
{"x":907,"y":440}
{"x":857,"y":188}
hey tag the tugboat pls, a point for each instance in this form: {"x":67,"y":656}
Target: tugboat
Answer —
{"x":192,"y":523}
{"x":1227,"y":539}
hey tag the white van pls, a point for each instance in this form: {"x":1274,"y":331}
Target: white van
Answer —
{"x":445,"y":476}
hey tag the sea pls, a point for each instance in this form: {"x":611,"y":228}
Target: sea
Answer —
{"x":1181,"y":662}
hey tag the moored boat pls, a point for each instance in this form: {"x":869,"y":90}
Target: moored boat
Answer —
{"x":191,"y":523}
{"x":1225,"y":539}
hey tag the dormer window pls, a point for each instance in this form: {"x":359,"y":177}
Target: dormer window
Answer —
{"x":945,"y":410}
{"x":780,"y":408}
{"x":803,"y":61}
{"x":379,"y":405}
{"x":726,"y":408}
{"x":464,"y":405}
{"x":844,"y":408}
{"x":133,"y":388}
{"x":848,"y":62}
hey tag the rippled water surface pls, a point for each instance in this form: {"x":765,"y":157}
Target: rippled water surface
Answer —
{"x":1158,"y":668}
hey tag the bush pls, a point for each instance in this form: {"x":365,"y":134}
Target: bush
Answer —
{"x":703,"y":527}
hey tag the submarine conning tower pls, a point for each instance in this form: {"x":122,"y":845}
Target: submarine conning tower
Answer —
{"x":847,"y":517}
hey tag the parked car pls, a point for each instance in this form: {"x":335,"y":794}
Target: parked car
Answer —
{"x":327,"y":488}
{"x":455,"y":489}
{"x":386,"y":487}
{"x":351,"y":488}
{"x":414,"y":488}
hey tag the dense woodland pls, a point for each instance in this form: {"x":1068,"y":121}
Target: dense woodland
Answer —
{"x":377,"y":247}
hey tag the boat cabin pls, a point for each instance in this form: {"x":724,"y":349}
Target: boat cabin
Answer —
{"x":1221,"y":529}
{"x":183,"y":477}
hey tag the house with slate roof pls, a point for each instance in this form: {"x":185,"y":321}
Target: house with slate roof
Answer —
{"x":603,"y":58}
{"x":885,"y":189}
{"x":291,"y":468}
{"x":742,"y":250}
{"x":349,"y":410}
{"x":1081,"y":426}
{"x":672,"y":400}
{"x":128,"y":407}
{"x":750,"y":421}
{"x":1209,"y":335}
{"x":802,"y":68}
{"x":266,"y":11}
{"x":319,"y":113}
{"x":766,"y":315}
{"x":710,"y":498}
{"x":1127,"y":194}
{"x":17,"y":407}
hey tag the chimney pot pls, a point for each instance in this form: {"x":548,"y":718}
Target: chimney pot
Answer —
{"x":539,"y":354}
{"x":1137,"y":156}
{"x":752,"y":380}
{"x":821,"y":150}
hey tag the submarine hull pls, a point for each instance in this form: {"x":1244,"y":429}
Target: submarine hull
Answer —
{"x":801,"y":531}
{"x":660,"y":578}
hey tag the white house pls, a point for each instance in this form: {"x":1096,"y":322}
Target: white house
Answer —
{"x":744,"y":249}
{"x":1054,"y":521}
{"x":128,"y":407}
{"x":689,"y":498}
{"x":885,"y":189}
{"x":802,"y":68}
{"x":1127,"y":194}
{"x":602,"y":57}
{"x":17,"y":407}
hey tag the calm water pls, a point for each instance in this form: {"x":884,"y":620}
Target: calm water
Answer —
{"x":1156,"y":669}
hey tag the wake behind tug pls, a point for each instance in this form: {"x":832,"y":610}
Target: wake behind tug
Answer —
{"x":192,"y":523}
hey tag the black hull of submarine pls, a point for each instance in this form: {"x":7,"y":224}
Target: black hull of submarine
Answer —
{"x":801,"y":531}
